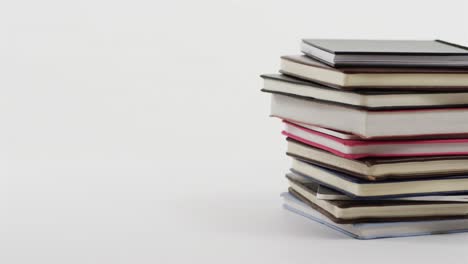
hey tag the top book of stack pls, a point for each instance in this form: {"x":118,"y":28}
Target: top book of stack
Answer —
{"x":381,"y":64}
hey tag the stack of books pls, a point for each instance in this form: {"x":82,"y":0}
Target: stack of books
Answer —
{"x":378,"y":135}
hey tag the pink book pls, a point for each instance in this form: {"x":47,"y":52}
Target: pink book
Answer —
{"x":348,"y":146}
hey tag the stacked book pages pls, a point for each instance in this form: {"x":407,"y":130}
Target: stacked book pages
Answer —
{"x":378,"y":135}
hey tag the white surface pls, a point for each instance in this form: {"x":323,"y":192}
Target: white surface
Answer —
{"x":123,"y":133}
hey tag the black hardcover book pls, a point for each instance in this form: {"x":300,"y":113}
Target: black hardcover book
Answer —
{"x":406,"y":53}
{"x":363,"y":99}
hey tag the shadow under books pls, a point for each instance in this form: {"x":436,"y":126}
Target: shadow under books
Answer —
{"x":250,"y":216}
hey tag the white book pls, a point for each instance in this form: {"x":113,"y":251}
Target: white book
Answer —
{"x":371,"y":124}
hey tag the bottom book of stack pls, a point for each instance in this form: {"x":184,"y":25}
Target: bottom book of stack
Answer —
{"x":364,"y":218}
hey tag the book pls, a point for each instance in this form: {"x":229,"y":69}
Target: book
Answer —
{"x":380,"y":169}
{"x":358,"y":211}
{"x":325,"y":193}
{"x":357,"y":187}
{"x":356,"y":149}
{"x":395,"y":53}
{"x":363,"y":99}
{"x":377,"y":230}
{"x":372,"y":124}
{"x":442,"y":79}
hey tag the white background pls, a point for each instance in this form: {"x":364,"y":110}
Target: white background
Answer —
{"x":135,"y":132}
